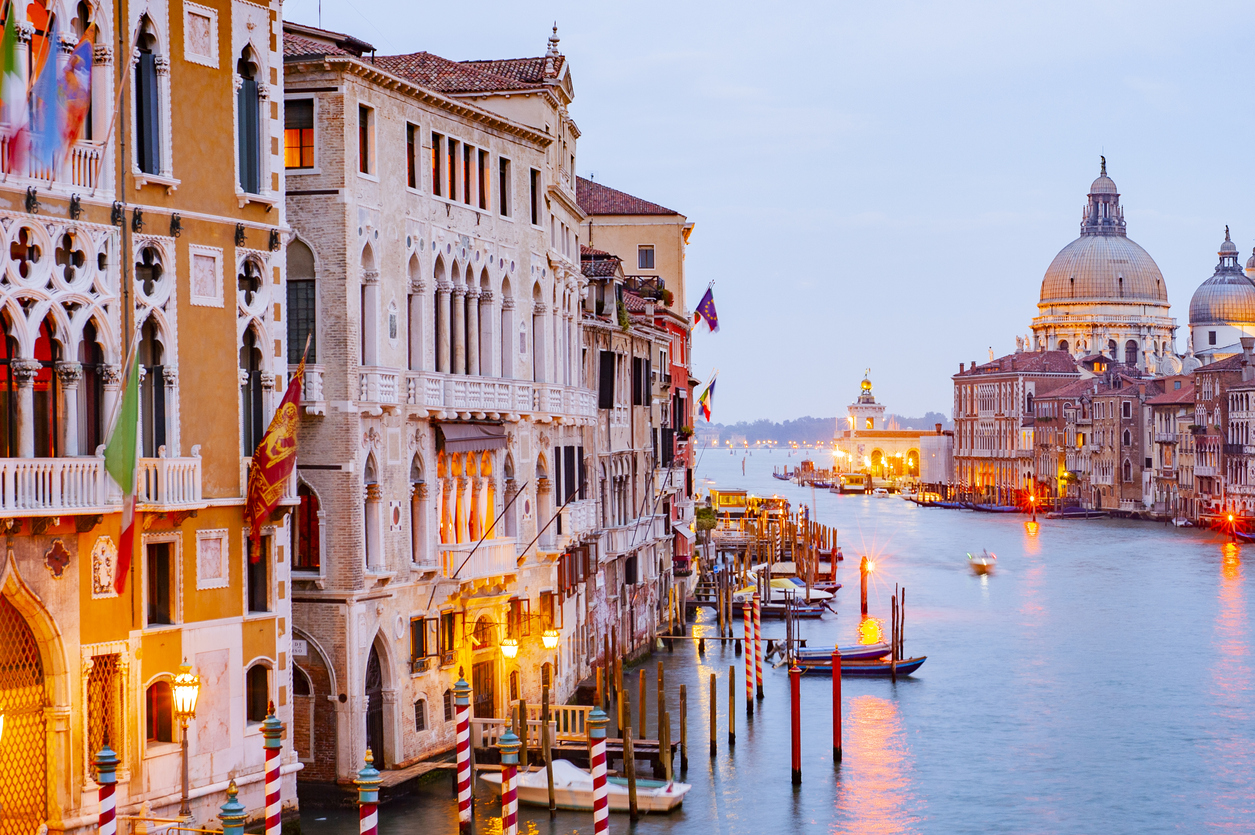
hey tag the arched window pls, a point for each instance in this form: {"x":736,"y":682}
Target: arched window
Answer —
{"x":450,"y":706}
{"x":256,"y":693}
{"x":1128,"y":471}
{"x":1130,"y":352}
{"x":511,"y":513}
{"x":251,"y":413}
{"x":506,"y":336}
{"x":1063,"y":345}
{"x":8,"y":392}
{"x":440,"y":314}
{"x":152,"y":389}
{"x":82,"y":19}
{"x":418,"y":513}
{"x":248,"y":118}
{"x":302,"y":303}
{"x":485,"y":634}
{"x":159,"y":712}
{"x":414,"y":330}
{"x":538,"y":331}
{"x":370,"y":515}
{"x":368,"y":310}
{"x":420,"y":715}
{"x":307,"y":550}
{"x":147,"y":102}
{"x":1128,"y":438}
{"x":91,"y":391}
{"x":46,"y":395}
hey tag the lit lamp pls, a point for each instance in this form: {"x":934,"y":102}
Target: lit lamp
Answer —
{"x":186,"y":687}
{"x":549,"y":637}
{"x":510,"y":647}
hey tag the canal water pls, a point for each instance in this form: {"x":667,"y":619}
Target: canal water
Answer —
{"x":1098,"y":682}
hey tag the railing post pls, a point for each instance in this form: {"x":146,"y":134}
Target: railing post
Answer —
{"x":106,"y":763}
{"x":232,"y":813}
{"x":272,"y":733}
{"x":462,"y":702}
{"x":367,"y":783}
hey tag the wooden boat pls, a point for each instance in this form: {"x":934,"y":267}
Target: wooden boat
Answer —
{"x":951,"y":505}
{"x":1182,"y":522}
{"x":1077,"y":513}
{"x":573,"y":789}
{"x":995,"y":508}
{"x":864,"y":669}
{"x":858,"y":652}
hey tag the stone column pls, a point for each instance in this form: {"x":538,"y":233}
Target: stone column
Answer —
{"x":69,"y":373}
{"x":509,"y":338}
{"x":538,"y":342}
{"x":443,"y":338}
{"x":488,"y":364}
{"x":472,"y":333}
{"x":459,"y":330}
{"x":112,"y":375}
{"x":463,"y":508}
{"x":415,"y":332}
{"x":24,"y":371}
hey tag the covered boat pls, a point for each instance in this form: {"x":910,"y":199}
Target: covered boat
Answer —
{"x":573,"y":789}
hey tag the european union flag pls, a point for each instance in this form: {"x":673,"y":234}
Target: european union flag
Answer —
{"x":706,"y":311}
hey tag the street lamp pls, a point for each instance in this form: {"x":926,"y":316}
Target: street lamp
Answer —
{"x":510,"y":647}
{"x":186,"y":690}
{"x":550,"y":638}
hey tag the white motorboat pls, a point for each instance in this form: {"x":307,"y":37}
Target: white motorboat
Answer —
{"x":573,"y":789}
{"x":880,"y":493}
{"x":982,"y":563}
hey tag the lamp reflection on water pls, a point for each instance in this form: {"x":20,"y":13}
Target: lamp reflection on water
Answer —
{"x":871,"y":631}
{"x":1227,"y":759}
{"x":874,"y":787}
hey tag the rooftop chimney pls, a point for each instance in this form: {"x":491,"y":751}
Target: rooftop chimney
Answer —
{"x":1248,"y":370}
{"x":938,"y":425}
{"x":960,"y":368}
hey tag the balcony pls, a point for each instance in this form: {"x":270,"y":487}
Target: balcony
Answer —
{"x":80,"y":486}
{"x":82,"y":168}
{"x":312,"y":398}
{"x":1204,"y":470}
{"x":494,"y":397}
{"x":493,"y":558}
{"x":579,"y":519}
{"x":1165,"y":437}
{"x":378,"y":387}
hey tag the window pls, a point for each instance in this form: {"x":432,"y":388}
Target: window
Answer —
{"x":448,"y":637}
{"x":365,"y":139}
{"x":451,"y":147}
{"x":46,"y":395}
{"x":503,"y":186}
{"x":258,"y":564}
{"x":1127,"y":438}
{"x":1130,"y":352}
{"x":302,"y":303}
{"x":450,"y":706}
{"x":91,"y":392}
{"x":467,"y":167}
{"x":256,"y":693}
{"x":437,"y":167}
{"x":147,"y":117}
{"x":306,"y":552}
{"x":1211,"y":337}
{"x":535,"y":196}
{"x":1127,"y":471}
{"x":518,"y":621}
{"x":159,"y":570}
{"x":483,"y":180}
{"x":159,"y":712}
{"x":251,"y":418}
{"x":1127,"y":407}
{"x":104,"y":702}
{"x":298,"y":133}
{"x":411,"y":155}
{"x":605,"y":388}
{"x":420,"y":715}
{"x":645,"y":257}
{"x":152,"y":389}
{"x":630,"y":575}
{"x":249,"y":122}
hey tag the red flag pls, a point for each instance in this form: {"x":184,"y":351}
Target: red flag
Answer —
{"x":274,"y":459}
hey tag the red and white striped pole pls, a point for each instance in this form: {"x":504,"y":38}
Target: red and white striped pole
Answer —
{"x":367,"y":783}
{"x":597,"y":764}
{"x":272,"y":734}
{"x":509,"y":746}
{"x":758,"y":644}
{"x":462,"y":703}
{"x":747,"y":610}
{"x":106,"y":763}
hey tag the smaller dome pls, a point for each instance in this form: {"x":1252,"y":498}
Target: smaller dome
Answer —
{"x":1103,"y":185}
{"x":866,"y":385}
{"x":1250,"y":262}
{"x":1228,"y":297}
{"x":1228,"y":245}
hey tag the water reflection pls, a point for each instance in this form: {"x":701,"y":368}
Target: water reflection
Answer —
{"x":1229,"y":758}
{"x":874,"y":789}
{"x":871,"y":630}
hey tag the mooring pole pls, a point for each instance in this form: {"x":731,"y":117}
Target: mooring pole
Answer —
{"x":758,"y":645}
{"x":462,"y":707}
{"x":629,"y":769}
{"x":747,"y":612}
{"x":106,"y":763}
{"x":714,"y":703}
{"x":508,"y":744}
{"x":548,"y":750}
{"x":836,"y":705}
{"x":731,"y":705}
{"x":367,"y":783}
{"x":641,"y":706}
{"x":684,"y":742}
{"x":795,"y":704}
{"x":597,"y":720}
{"x":862,"y":585}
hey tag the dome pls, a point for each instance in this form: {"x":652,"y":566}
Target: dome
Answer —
{"x":1103,"y":185}
{"x":1103,"y":267}
{"x":1250,"y":262}
{"x":1228,"y":297}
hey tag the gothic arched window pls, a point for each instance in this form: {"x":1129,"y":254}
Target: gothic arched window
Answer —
{"x":46,"y":394}
{"x":251,"y":413}
{"x":152,"y":390}
{"x":1130,"y":352}
{"x":307,"y":556}
{"x":249,"y":120}
{"x":302,"y":303}
{"x":91,"y":391}
{"x":147,"y":115}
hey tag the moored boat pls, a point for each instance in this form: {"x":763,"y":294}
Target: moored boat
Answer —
{"x":573,"y":789}
{"x":858,"y":652}
{"x":866,"y":669}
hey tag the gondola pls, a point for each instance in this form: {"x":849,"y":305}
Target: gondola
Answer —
{"x":865,"y":669}
{"x":995,"y":508}
{"x":858,"y":652}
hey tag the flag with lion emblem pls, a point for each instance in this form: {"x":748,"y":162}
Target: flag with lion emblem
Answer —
{"x":274,"y":459}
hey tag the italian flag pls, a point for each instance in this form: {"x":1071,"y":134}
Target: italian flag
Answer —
{"x":121,"y":462}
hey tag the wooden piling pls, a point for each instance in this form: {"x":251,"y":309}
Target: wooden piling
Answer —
{"x":893,"y":639}
{"x":629,"y":769}
{"x":731,"y":706}
{"x":662,"y":697}
{"x":901,"y":619}
{"x":664,"y":747}
{"x":836,"y":705}
{"x":622,"y":697}
{"x":684,"y":742}
{"x":546,"y":748}
{"x":714,"y":703}
{"x":795,"y":702}
{"x":597,"y":679}
{"x":862,"y":585}
{"x":641,"y":705}
{"x":523,"y":736}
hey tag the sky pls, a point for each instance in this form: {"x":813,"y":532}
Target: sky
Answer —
{"x":882,"y":185}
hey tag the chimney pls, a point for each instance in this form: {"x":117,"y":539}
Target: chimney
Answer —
{"x":960,"y":368}
{"x":938,"y":425}
{"x":1248,"y":370}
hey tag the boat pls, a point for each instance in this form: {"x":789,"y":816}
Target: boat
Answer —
{"x":1182,"y":522}
{"x":982,"y":563}
{"x":784,"y":476}
{"x":880,"y":493}
{"x":996,"y":508}
{"x":865,"y":669}
{"x":950,"y":505}
{"x":1076,"y":513}
{"x":573,"y":789}
{"x":858,"y":652}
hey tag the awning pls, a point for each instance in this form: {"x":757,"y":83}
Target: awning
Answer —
{"x":683,"y":530}
{"x":471,"y":437}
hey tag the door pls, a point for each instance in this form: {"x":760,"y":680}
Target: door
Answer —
{"x":374,"y":707}
{"x":483,"y":686}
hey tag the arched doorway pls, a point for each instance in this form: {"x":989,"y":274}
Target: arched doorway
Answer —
{"x":374,"y":707}
{"x":23,"y":748}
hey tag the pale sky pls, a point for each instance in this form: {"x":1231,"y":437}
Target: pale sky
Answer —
{"x":882,"y":184}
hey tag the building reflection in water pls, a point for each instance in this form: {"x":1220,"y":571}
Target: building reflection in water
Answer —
{"x":874,"y":786}
{"x":1230,"y":760}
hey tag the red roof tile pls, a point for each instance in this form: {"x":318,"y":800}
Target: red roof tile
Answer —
{"x":596,"y":199}
{"x":1027,"y":362}
{"x":1180,"y":396}
{"x":295,"y":46}
{"x":443,"y":75}
{"x":633,"y":302}
{"x":523,"y":71}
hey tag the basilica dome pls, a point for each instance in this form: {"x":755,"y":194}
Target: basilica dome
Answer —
{"x":1103,"y":264}
{"x":1228,"y":297}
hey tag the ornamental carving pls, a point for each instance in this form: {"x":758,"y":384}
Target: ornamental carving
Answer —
{"x":69,"y":373}
{"x":371,"y":439}
{"x":57,"y":558}
{"x":104,"y":558}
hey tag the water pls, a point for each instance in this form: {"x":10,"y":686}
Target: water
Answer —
{"x":1099,"y":681}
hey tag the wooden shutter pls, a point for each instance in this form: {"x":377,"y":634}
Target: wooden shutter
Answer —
{"x":605,"y":388}
{"x":637,"y":372}
{"x":250,"y":137}
{"x":569,"y":482}
{"x":148,"y":127}
{"x":581,"y":473}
